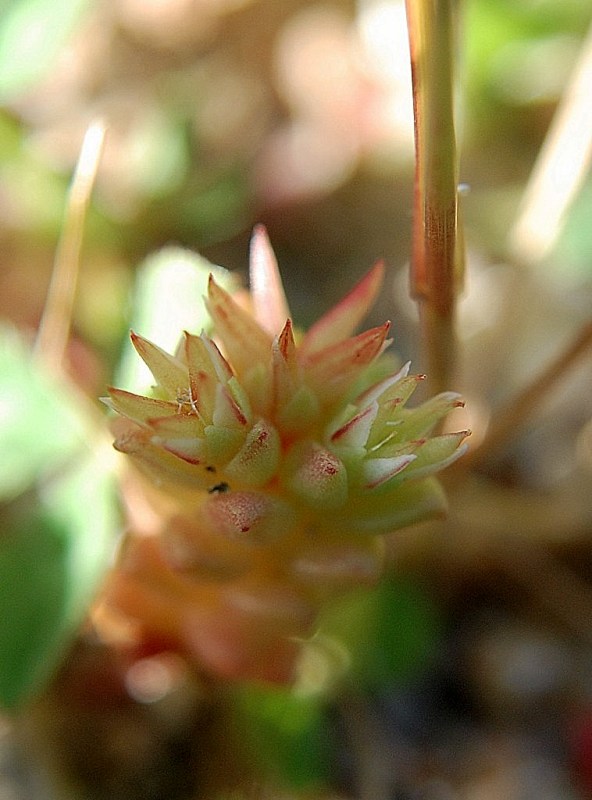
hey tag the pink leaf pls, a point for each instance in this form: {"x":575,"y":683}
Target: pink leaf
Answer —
{"x":267,"y":292}
{"x":331,"y":370}
{"x":245,"y":342}
{"x":343,"y":318}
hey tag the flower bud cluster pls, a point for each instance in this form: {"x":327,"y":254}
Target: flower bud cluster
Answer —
{"x":292,"y":456}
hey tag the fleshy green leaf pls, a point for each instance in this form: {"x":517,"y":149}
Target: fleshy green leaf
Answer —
{"x":51,"y":560}
{"x":287,"y":734}
{"x":390,"y":633}
{"x":381,"y":510}
{"x":59,"y":519}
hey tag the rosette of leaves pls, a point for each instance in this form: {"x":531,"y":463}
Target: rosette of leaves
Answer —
{"x":284,"y":458}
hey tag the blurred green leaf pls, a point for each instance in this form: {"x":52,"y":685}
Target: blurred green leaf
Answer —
{"x":36,"y":195}
{"x":160,"y":156}
{"x":390,"y":633}
{"x":59,"y":518}
{"x":40,"y":426}
{"x":287,"y":734}
{"x":10,"y":134}
{"x":52,"y":556}
{"x":514,"y":53}
{"x":215,"y":207}
{"x":32,"y":33}
{"x":168,"y":299}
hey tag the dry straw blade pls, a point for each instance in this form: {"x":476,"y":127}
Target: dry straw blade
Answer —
{"x":54,"y":329}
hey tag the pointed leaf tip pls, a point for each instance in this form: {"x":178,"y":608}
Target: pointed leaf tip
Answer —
{"x":137,"y":407}
{"x":167,"y":370}
{"x":286,"y":343}
{"x":340,"y":321}
{"x":245,"y":342}
{"x":355,"y":432}
{"x":337,"y":366}
{"x":270,"y":306}
{"x":375,"y":391}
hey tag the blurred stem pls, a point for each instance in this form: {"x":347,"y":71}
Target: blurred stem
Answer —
{"x":436,"y":261}
{"x":508,"y":421}
{"x":375,"y":775}
{"x":54,"y":329}
{"x":560,"y":169}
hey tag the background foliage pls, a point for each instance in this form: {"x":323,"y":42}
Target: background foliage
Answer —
{"x":298,"y":115}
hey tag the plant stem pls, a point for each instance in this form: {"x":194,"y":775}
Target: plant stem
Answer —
{"x":436,"y":261}
{"x":509,"y":421}
{"x":54,"y":329}
{"x":560,"y":169}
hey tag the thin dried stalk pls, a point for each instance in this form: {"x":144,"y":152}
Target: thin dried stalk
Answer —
{"x":526,"y":403}
{"x":560,"y":169}
{"x":54,"y":329}
{"x":561,"y":166}
{"x":436,"y":258}
{"x":375,"y":771}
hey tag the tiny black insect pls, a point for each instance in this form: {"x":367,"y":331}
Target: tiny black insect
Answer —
{"x":219,"y":488}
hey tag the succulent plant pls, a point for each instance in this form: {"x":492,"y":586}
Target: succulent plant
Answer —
{"x":286,"y":458}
